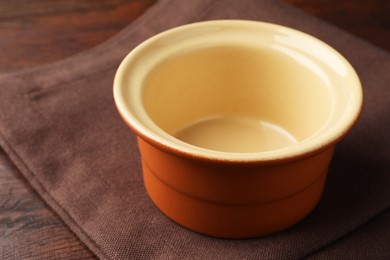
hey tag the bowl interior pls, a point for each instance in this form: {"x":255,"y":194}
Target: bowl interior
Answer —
{"x":223,"y":88}
{"x":237,"y":99}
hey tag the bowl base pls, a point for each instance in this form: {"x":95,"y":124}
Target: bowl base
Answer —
{"x":232,"y":221}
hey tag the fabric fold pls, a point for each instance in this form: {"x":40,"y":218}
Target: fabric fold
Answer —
{"x":59,"y":126}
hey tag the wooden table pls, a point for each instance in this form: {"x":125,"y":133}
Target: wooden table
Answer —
{"x":35,"y":32}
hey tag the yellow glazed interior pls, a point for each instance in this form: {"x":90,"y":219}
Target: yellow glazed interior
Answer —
{"x":238,"y":90}
{"x":237,"y":99}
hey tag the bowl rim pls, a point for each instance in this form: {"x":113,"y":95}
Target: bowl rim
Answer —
{"x":162,"y":140}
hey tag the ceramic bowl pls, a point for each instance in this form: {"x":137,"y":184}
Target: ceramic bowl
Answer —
{"x":236,"y":122}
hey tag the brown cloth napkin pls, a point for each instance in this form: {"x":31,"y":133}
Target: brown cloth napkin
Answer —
{"x":59,"y":125}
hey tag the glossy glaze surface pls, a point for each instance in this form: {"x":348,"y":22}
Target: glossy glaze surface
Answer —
{"x":202,"y":71}
{"x":236,"y":122}
{"x":237,"y":98}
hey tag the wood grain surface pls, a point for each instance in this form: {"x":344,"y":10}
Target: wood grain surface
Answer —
{"x":35,"y":32}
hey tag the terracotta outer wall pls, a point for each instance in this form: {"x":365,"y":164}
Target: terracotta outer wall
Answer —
{"x":233,"y":200}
